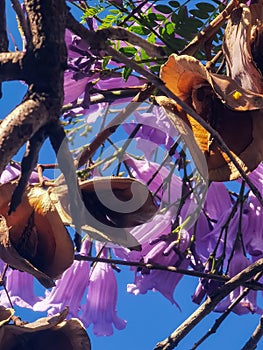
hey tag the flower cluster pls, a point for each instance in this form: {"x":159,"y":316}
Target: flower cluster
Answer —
{"x":225,"y":239}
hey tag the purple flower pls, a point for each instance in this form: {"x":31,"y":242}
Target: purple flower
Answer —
{"x":20,"y":287}
{"x":256,"y":178}
{"x":217,"y":208}
{"x":248,"y":304}
{"x":69,"y":289}
{"x":167,"y":185}
{"x":254,"y":236}
{"x":217,"y":200}
{"x":100,"y":306}
{"x":155,"y":130}
{"x":12,"y":172}
{"x":165,"y":252}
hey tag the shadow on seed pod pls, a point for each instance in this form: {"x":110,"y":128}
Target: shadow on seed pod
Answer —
{"x":50,"y":333}
{"x":35,"y":233}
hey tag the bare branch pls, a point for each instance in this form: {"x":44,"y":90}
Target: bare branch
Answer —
{"x":3,"y":33}
{"x":28,"y":163}
{"x":174,"y":269}
{"x":19,"y":126}
{"x":173,"y":340}
{"x":118,"y":33}
{"x":114,"y":124}
{"x":224,"y":315}
{"x":209,"y":32}
{"x":11,"y":64}
{"x":255,"y":338}
{"x":22,"y":21}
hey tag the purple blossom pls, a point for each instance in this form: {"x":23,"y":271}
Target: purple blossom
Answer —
{"x":20,"y":287}
{"x":254,"y":236}
{"x":155,"y":130}
{"x":13,"y":171}
{"x":248,"y":304}
{"x":100,"y":307}
{"x":76,"y":276}
{"x":168,"y":186}
{"x":162,"y":253}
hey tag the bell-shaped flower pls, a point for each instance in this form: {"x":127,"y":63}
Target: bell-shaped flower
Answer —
{"x":155,"y":130}
{"x":70,"y":288}
{"x":166,"y":252}
{"x":12,"y":172}
{"x":20,"y":287}
{"x":100,"y":307}
{"x":248,"y":304}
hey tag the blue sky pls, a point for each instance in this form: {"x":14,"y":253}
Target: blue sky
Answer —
{"x":150,"y":317}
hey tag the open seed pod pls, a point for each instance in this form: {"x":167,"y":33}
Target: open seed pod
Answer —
{"x":51,"y":333}
{"x":110,"y":206}
{"x":5,"y":315}
{"x":36,"y":233}
{"x":230,"y":109}
{"x":231,"y":104}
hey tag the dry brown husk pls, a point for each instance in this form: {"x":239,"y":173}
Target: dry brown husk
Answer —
{"x":100,"y":222}
{"x":231,"y":104}
{"x":47,"y":333}
{"x":33,"y":238}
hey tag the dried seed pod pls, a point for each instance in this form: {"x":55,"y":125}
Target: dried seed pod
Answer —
{"x":236,"y":113}
{"x":109,"y":206}
{"x":52,"y":333}
{"x":36,"y":239}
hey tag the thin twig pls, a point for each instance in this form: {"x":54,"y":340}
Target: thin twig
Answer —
{"x":207,"y":33}
{"x":193,"y":273}
{"x":28,"y":164}
{"x":119,"y":33}
{"x":114,"y":124}
{"x":255,"y":337}
{"x":208,"y":306}
{"x":22,"y":22}
{"x":226,"y":313}
{"x":105,"y":96}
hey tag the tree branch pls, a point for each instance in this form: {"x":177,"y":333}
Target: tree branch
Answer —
{"x":22,"y":22}
{"x":11,"y":64}
{"x":173,"y":340}
{"x":210,"y":31}
{"x":119,"y":33}
{"x":19,"y":126}
{"x":3,"y":33}
{"x":28,"y":164}
{"x":255,"y":338}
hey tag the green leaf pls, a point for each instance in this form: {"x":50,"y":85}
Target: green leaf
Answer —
{"x":174,"y":4}
{"x":129,"y":51}
{"x":199,"y":14}
{"x":169,"y":28}
{"x":164,"y":9}
{"x":155,"y":17}
{"x":151,"y":38}
{"x":206,"y":7}
{"x":140,"y":30}
{"x":126,"y":73}
{"x":155,"y":69}
{"x":90,"y":12}
{"x":105,"y":61}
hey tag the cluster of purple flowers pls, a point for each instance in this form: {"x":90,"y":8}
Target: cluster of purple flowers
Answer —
{"x":226,"y":239}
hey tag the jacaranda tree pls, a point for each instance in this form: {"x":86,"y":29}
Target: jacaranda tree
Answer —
{"x":153,"y":110}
